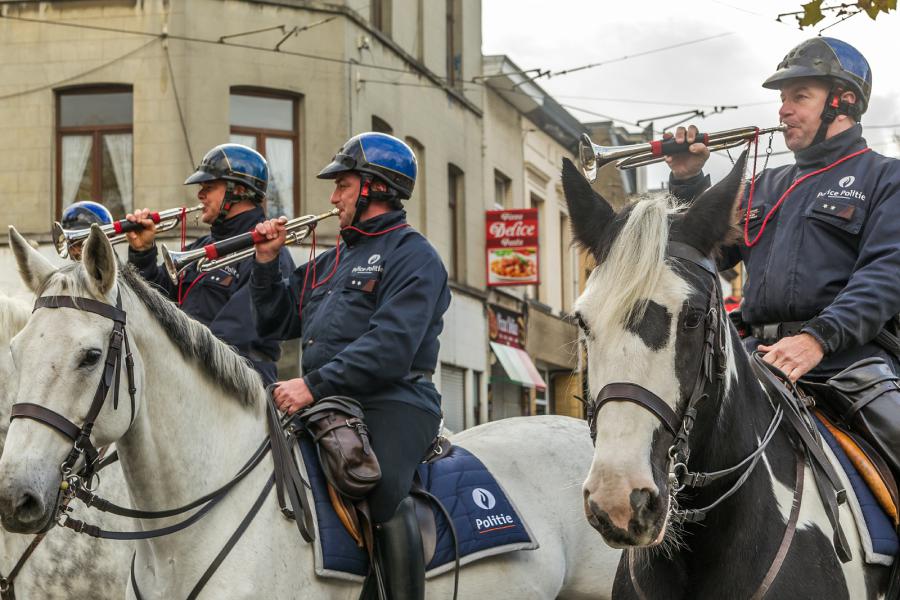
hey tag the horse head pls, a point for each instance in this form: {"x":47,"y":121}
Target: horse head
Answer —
{"x":67,"y":346}
{"x":646,"y":315}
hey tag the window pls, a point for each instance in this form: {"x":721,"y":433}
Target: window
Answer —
{"x":267,"y":122}
{"x":381,"y":126}
{"x":501,"y":190}
{"x":380,"y":16}
{"x":538,"y":203}
{"x":417,"y":206}
{"x":454,"y":43}
{"x":95,"y":148}
{"x":453,"y":397}
{"x":456,"y":204}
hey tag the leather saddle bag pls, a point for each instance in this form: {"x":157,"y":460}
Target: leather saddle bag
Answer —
{"x":867,"y":399}
{"x":342,"y":441}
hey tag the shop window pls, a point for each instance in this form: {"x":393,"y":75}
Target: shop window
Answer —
{"x":267,"y":122}
{"x":95,"y":147}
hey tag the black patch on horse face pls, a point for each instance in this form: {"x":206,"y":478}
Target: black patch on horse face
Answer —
{"x":653,"y":328}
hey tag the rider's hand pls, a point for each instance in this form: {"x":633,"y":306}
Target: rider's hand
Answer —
{"x":795,"y":355}
{"x":145,"y":238}
{"x":275,"y":233}
{"x":292,"y":395}
{"x":687,"y":164}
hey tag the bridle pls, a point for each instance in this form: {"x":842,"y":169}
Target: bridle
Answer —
{"x":82,"y":446}
{"x":708,"y":383}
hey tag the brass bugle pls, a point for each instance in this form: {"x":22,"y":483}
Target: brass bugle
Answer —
{"x":234,"y":249}
{"x":165,"y":220}
{"x":592,"y":156}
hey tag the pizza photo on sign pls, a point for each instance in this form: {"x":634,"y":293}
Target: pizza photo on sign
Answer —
{"x":514,"y":265}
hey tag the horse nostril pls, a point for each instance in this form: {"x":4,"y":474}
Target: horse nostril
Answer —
{"x":29,"y":507}
{"x":643,"y":501}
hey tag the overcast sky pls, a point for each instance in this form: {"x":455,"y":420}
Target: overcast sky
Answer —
{"x":726,"y":70}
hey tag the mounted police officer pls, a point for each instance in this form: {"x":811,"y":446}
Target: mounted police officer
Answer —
{"x":821,"y":259}
{"x":233,"y":180}
{"x":369,"y":313}
{"x":81,"y":215}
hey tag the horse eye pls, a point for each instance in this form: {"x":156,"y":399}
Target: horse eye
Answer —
{"x":91,"y":357}
{"x":693,"y":318}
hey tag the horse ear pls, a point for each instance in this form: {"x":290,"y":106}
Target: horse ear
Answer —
{"x":712,"y":217}
{"x":33,"y":267}
{"x":99,"y":261}
{"x":589,"y":213}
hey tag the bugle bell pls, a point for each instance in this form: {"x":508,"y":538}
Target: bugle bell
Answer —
{"x":234,"y":249}
{"x":592,"y":156}
{"x":64,"y":239}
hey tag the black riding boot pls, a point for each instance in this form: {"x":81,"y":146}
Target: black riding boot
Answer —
{"x":399,"y":547}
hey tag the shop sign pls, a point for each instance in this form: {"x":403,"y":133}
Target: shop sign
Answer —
{"x":512,"y":247}
{"x":506,"y":327}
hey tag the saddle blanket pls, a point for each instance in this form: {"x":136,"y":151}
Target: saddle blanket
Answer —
{"x":879,"y":537}
{"x":486,"y":521}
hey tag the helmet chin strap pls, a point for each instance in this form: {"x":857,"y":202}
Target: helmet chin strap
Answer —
{"x":228,"y":200}
{"x":362,"y":201}
{"x":834,"y":106}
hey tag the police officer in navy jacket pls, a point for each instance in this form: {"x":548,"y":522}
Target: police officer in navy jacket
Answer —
{"x":822,"y":259}
{"x":369,"y":312}
{"x":233,"y":181}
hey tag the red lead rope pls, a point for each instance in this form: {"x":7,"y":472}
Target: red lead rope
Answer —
{"x":797,"y":182}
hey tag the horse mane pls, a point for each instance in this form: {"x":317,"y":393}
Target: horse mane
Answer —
{"x":635,"y":261}
{"x":14,"y":313}
{"x":194,"y":340}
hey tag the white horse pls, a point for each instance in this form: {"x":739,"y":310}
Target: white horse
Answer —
{"x":64,"y":565}
{"x":199,"y":416}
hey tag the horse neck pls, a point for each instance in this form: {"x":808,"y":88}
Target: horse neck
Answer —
{"x":188,"y":437}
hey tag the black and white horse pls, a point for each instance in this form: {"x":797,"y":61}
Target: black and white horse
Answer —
{"x":655,"y":328}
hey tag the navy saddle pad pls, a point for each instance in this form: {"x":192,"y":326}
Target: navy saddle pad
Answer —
{"x":486,"y":521}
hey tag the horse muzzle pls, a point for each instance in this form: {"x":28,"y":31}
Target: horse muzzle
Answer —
{"x":639,"y":524}
{"x":26,"y":510}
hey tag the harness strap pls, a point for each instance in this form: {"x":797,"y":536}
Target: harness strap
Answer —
{"x":287,"y":478}
{"x":36,"y":412}
{"x":238,"y":533}
{"x":7,"y":584}
{"x":92,"y":500}
{"x":789,"y":531}
{"x":818,"y":460}
{"x":637,"y":394}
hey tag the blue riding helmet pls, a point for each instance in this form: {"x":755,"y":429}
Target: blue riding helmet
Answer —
{"x":81,"y":215}
{"x":380,"y":155}
{"x":235,"y":163}
{"x":829,"y":58}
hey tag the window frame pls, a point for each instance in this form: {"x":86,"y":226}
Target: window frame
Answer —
{"x":96,"y":132}
{"x":261,"y":134}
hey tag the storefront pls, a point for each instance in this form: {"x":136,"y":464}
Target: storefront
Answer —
{"x":514,"y":378}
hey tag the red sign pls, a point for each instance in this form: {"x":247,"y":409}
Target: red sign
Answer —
{"x":506,"y":327}
{"x":512,"y":247}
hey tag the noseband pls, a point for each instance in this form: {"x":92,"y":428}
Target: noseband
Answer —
{"x":81,"y":435}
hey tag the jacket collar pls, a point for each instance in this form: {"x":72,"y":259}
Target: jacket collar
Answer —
{"x":832,"y":149}
{"x":237,"y":224}
{"x":352,"y":237}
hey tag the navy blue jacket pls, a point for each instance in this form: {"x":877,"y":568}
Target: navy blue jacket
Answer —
{"x":830,"y":255}
{"x":371,"y":329}
{"x":220,"y":299}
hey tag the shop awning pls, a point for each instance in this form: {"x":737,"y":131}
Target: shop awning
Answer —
{"x":518,"y":366}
